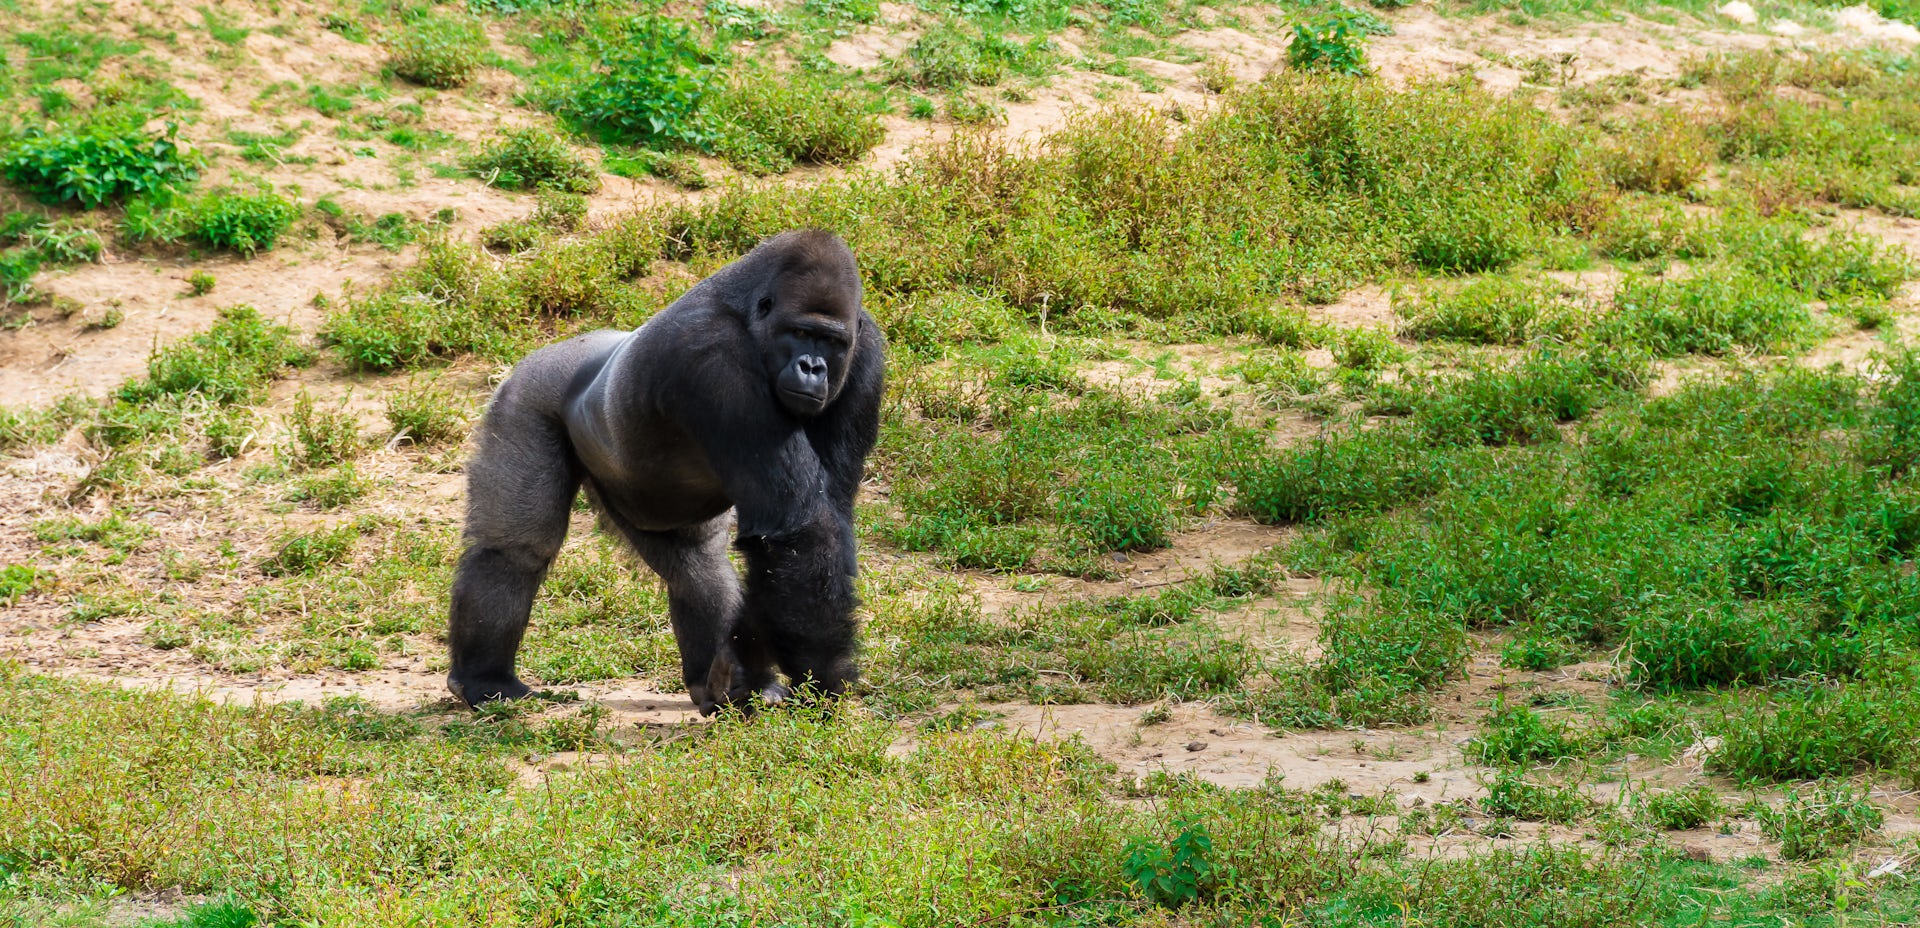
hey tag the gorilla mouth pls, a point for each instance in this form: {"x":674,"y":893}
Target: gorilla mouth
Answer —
{"x":802,"y":403}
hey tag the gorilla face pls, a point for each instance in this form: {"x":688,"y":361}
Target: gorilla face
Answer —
{"x":806,"y":333}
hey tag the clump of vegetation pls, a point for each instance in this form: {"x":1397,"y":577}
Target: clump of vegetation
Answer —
{"x":299,"y":553}
{"x":424,"y":413}
{"x":1679,"y":809}
{"x":954,"y":55}
{"x":1335,"y":43}
{"x":104,"y":161}
{"x":1662,"y":154}
{"x":646,"y":88}
{"x":1513,"y":796}
{"x":438,"y":51}
{"x":333,"y":489}
{"x":1513,"y":734}
{"x":1496,"y":310}
{"x":322,"y":437}
{"x":238,"y":221}
{"x":530,"y":157}
{"x":1819,"y":820}
{"x":1031,"y":492}
{"x":770,"y":121}
{"x":200,"y":283}
{"x":232,"y":362}
{"x":1178,"y":872}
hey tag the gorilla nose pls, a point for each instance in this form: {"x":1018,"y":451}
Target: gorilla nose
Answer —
{"x":813,"y":366}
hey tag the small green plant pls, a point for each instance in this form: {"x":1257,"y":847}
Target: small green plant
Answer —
{"x":1819,"y":820}
{"x":1510,"y":795}
{"x":530,"y":157}
{"x":1515,"y":734}
{"x":232,"y":362}
{"x":17,"y":580}
{"x":247,"y":223}
{"x":102,"y":162}
{"x":647,"y":89}
{"x":1336,"y":44}
{"x":200,"y":283}
{"x":424,"y":412}
{"x":299,"y":553}
{"x":1679,"y":809}
{"x":229,"y":432}
{"x":560,"y":211}
{"x":1173,"y":874}
{"x":438,"y":51}
{"x":1366,"y":349}
{"x":680,"y":168}
{"x":322,"y":438}
{"x":331,"y":490}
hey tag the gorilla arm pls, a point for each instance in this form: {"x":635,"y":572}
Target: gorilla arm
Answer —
{"x":794,"y":517}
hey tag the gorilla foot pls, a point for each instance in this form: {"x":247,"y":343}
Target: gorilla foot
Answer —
{"x":745,"y":700}
{"x":480,"y":691}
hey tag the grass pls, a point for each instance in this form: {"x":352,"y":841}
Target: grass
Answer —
{"x":1726,"y":559}
{"x":692,"y":807}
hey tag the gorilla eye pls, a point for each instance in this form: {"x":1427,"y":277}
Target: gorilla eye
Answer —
{"x":765,"y":305}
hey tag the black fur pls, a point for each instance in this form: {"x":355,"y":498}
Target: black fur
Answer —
{"x":757,"y":391}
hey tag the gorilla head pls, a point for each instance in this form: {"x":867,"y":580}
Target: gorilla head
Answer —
{"x":806,"y":321}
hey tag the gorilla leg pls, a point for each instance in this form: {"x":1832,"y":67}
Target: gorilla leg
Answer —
{"x":721,"y":661}
{"x":800,"y":602}
{"x":520,"y":488}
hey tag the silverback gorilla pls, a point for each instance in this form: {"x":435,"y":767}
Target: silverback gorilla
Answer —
{"x":758,"y":391}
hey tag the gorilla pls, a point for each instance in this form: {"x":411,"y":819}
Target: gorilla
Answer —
{"x":758,"y":390}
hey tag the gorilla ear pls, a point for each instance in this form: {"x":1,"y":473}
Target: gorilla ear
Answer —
{"x":763,"y":307}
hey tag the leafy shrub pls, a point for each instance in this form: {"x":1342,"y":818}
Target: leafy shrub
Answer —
{"x":341,"y":486}
{"x":1662,"y":154}
{"x":1693,"y":645}
{"x":1336,"y":44}
{"x":647,"y":88}
{"x":1470,"y":234}
{"x":531,"y":157}
{"x":438,"y":51}
{"x":1806,"y":733}
{"x":1893,"y":440}
{"x":1377,"y":659}
{"x":1639,"y":227}
{"x":242,"y":222}
{"x":1514,"y":734}
{"x":1366,"y":349}
{"x":231,"y":362}
{"x":1679,"y":809}
{"x":1515,"y":402}
{"x":1176,"y":873}
{"x":767,"y":121}
{"x":424,"y":412}
{"x":956,"y":55}
{"x":1498,"y":310}
{"x":322,"y":438}
{"x":1341,"y":473}
{"x":1513,"y":796}
{"x":1709,"y":314}
{"x":105,"y":161}
{"x":1825,"y":818}
{"x":200,"y":283}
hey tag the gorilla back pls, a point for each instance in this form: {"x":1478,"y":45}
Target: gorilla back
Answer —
{"x":757,"y":391}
